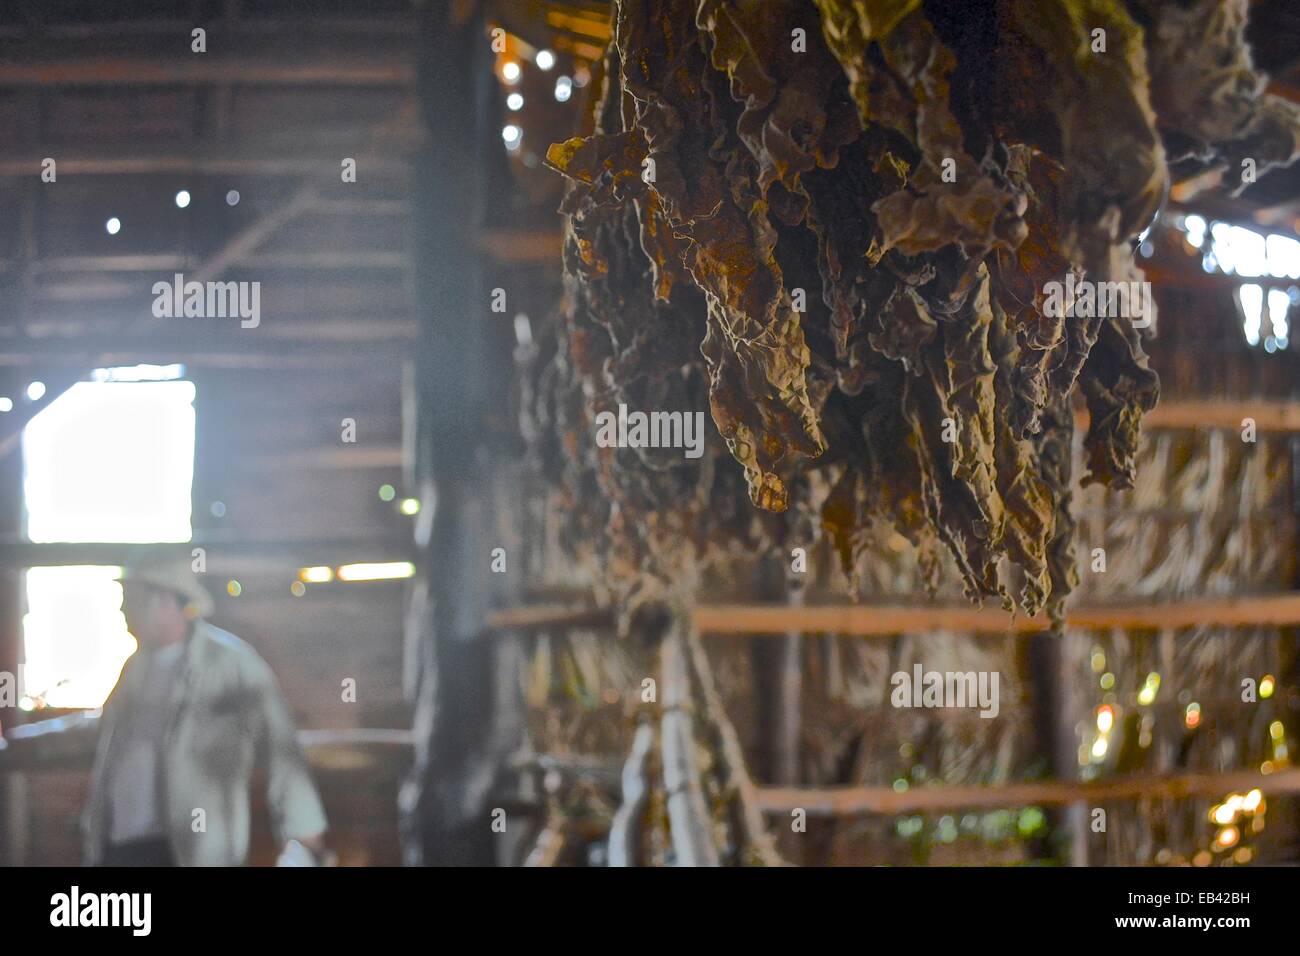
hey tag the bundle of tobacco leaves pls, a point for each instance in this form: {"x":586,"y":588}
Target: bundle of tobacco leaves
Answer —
{"x":836,"y":222}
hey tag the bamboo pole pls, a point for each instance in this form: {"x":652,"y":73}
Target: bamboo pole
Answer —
{"x":549,"y":846}
{"x":688,"y":815}
{"x":745,"y":814}
{"x":625,"y":832}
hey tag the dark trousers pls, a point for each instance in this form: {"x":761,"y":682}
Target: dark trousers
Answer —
{"x":154,"y":852}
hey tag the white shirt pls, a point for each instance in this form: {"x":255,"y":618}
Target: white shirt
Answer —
{"x":135,"y":784}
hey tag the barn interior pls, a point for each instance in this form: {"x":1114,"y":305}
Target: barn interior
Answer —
{"x":445,"y":236}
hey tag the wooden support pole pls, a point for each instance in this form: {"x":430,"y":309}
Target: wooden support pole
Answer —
{"x":462,"y":720}
{"x":1289,"y":646}
{"x":1053,"y":698}
{"x":13,"y":828}
{"x":778,"y":672}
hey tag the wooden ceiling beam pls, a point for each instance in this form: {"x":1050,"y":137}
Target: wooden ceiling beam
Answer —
{"x":332,"y":458}
{"x":210,"y":350}
{"x":255,"y":27}
{"x":225,"y":550}
{"x":239,"y":158}
{"x":36,"y":63}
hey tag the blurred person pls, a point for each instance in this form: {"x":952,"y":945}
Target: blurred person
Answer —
{"x":194,"y":711}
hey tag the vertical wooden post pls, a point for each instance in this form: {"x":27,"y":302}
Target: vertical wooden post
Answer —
{"x":1289,"y":670}
{"x":448,"y":802}
{"x":778,"y":677}
{"x":1058,"y":656}
{"x":12,"y":785}
{"x":1052,"y":657}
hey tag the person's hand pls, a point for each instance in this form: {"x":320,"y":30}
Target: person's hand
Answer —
{"x":308,"y":851}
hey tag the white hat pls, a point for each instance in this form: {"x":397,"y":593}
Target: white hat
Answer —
{"x":174,"y":575}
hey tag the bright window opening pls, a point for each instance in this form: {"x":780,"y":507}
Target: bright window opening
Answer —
{"x":108,"y":460}
{"x":111,"y":461}
{"x":1235,"y":250}
{"x":74,"y":635}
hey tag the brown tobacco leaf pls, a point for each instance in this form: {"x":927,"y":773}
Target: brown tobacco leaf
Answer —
{"x":755,"y":346}
{"x":1119,"y":388}
{"x":850,"y":27}
{"x":1206,"y":91}
{"x":947,"y":199}
{"x":842,"y":246}
{"x":1027,"y":497}
{"x":1091,"y":112}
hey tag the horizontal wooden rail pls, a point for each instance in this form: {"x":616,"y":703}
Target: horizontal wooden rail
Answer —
{"x":68,"y":742}
{"x":859,"y":801}
{"x":1268,"y":415}
{"x":867,"y":620}
{"x":864,"y":620}
{"x":356,"y":737}
{"x":547,"y":616}
{"x":224,"y":551}
{"x":1235,"y":610}
{"x":542,"y":245}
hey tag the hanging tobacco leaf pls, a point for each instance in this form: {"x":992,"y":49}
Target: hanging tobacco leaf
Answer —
{"x":834,"y":223}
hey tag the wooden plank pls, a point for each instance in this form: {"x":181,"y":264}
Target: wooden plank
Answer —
{"x":857,"y":801}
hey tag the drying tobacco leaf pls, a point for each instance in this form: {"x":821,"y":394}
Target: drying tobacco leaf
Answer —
{"x":834,"y":224}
